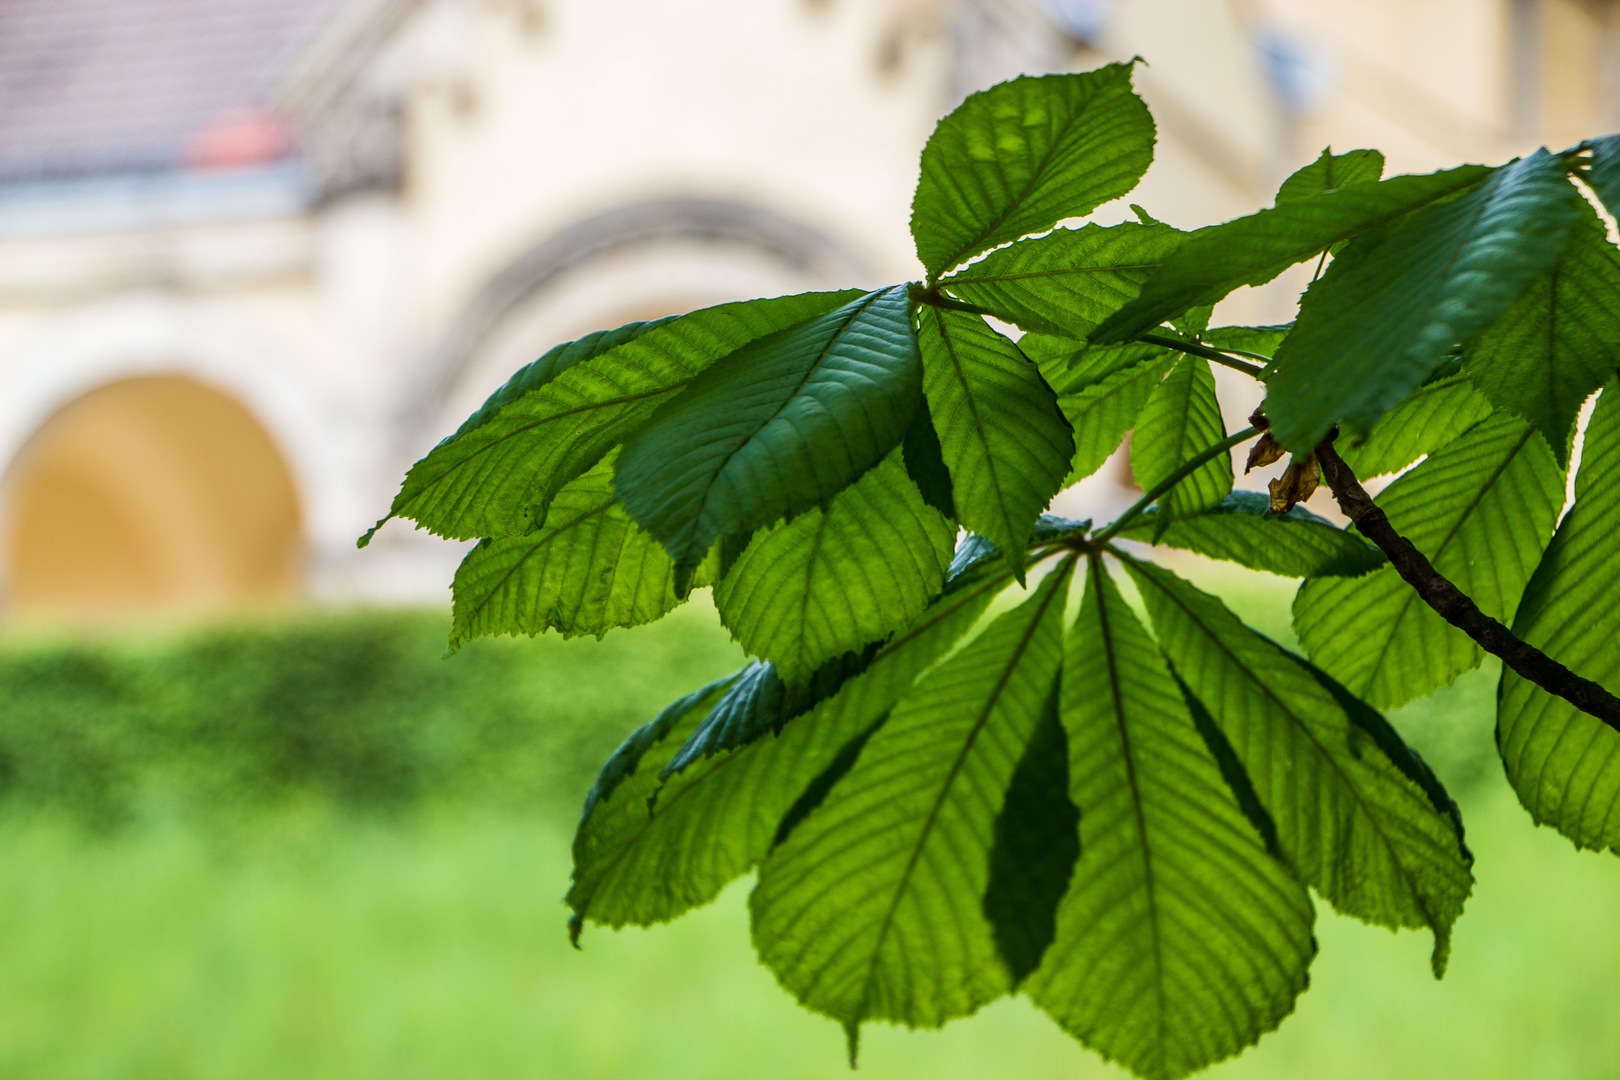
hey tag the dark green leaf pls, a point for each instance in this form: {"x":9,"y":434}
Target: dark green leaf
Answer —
{"x":1021,"y":156}
{"x":1350,"y":820}
{"x":1560,"y":342}
{"x":1434,"y":415}
{"x":1330,"y":172}
{"x":873,"y":907}
{"x":1482,"y":509}
{"x":834,"y":579}
{"x":777,"y":427}
{"x":1181,"y":420}
{"x":1564,"y":764}
{"x":1254,"y":249}
{"x":1067,"y":281}
{"x":716,"y":818}
{"x":1102,"y":395}
{"x":587,"y":570}
{"x":1395,"y":302}
{"x":1182,"y":939}
{"x":1241,"y":529}
{"x":757,"y":702}
{"x":1007,"y":445}
{"x":484,"y":481}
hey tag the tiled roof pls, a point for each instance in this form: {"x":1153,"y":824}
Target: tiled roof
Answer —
{"x":93,"y":87}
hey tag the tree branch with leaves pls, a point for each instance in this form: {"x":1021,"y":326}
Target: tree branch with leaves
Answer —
{"x":1118,"y":808}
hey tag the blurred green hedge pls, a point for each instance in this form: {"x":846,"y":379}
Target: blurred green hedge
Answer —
{"x":360,"y":708}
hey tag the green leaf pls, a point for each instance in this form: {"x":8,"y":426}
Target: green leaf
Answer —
{"x":1181,"y":939}
{"x":1435,"y":414}
{"x":716,"y":818}
{"x":1482,"y":510}
{"x":1560,"y":342}
{"x":757,"y":702}
{"x":1604,"y":175}
{"x":1102,"y":394}
{"x":1021,"y":156}
{"x":775,"y":428}
{"x":587,"y":570}
{"x":1067,"y":281}
{"x":1330,"y":172}
{"x":1241,"y":529}
{"x":1564,"y":764}
{"x":484,"y":480}
{"x":1181,"y":419}
{"x":1395,"y":302}
{"x":872,"y":908}
{"x":1007,"y":445}
{"x":1252,"y":250}
{"x":836,"y":578}
{"x":552,"y":363}
{"x":1350,"y":818}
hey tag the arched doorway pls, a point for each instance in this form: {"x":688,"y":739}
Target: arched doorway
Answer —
{"x":152,"y":493}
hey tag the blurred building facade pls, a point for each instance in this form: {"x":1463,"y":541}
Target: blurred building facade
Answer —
{"x":256,"y":256}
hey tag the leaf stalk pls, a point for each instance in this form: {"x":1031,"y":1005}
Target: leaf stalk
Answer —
{"x":1153,"y":494}
{"x":1214,"y":356}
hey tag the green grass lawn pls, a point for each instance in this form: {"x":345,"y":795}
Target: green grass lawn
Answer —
{"x":311,"y":939}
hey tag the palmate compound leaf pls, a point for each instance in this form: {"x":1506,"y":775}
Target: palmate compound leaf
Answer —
{"x":1002,"y":436}
{"x":720,"y":815}
{"x":1181,"y":939}
{"x":1436,"y":413}
{"x":1358,"y":816}
{"x":486,"y":479}
{"x":1391,"y":306}
{"x":775,"y":428}
{"x":1557,"y":345}
{"x":1252,"y":250}
{"x":1182,"y":419}
{"x":1021,"y":156}
{"x":873,"y":907}
{"x":1067,"y":281}
{"x":838,"y":576}
{"x":1259,"y":340}
{"x":1564,"y":764}
{"x":586,"y":570}
{"x":1241,"y":529}
{"x":1482,"y":509}
{"x":1100,"y":389}
{"x":1330,"y":172}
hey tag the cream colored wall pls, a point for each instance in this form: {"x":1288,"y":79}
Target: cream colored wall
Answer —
{"x":781,"y":103}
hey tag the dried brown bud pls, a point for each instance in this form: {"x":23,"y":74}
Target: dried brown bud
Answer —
{"x":1296,"y":484}
{"x":1258,"y":419}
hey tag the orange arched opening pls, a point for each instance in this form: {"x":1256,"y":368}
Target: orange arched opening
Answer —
{"x":153,"y":493}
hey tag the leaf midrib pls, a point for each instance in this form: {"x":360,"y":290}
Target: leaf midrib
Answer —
{"x":1096,"y":568}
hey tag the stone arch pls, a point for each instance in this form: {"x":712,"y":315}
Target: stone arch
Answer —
{"x":718,"y":250}
{"x":151,"y":492}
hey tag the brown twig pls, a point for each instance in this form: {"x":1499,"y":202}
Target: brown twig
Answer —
{"x":1452,"y":604}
